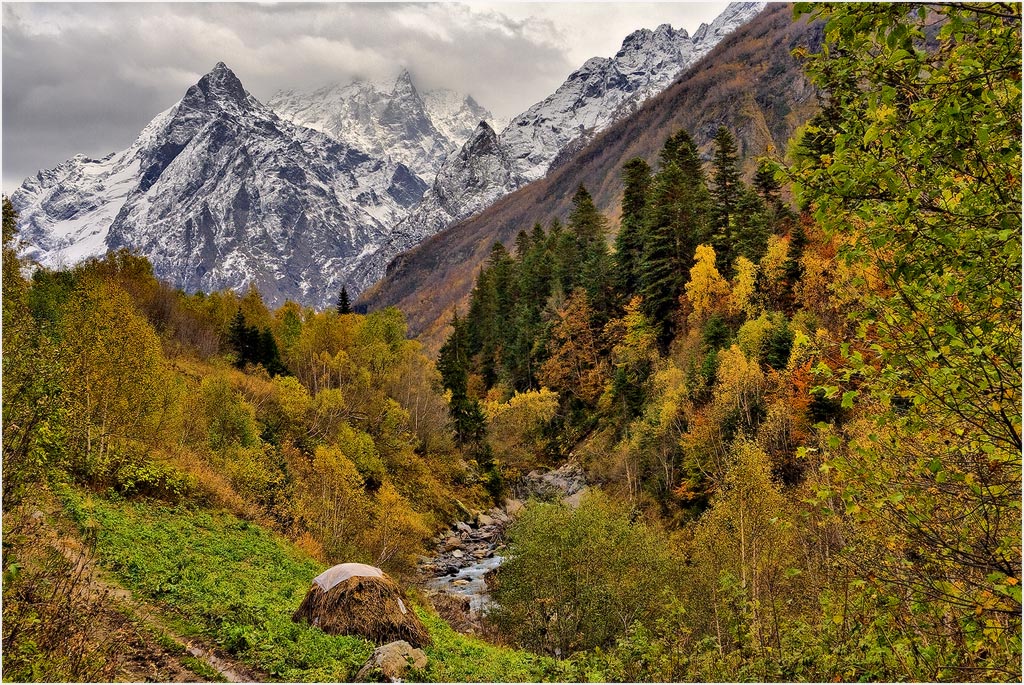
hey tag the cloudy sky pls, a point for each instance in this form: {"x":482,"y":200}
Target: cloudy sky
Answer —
{"x":87,"y":77}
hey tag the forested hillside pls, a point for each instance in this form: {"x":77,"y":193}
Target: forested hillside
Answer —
{"x":795,"y":394}
{"x":821,"y":408}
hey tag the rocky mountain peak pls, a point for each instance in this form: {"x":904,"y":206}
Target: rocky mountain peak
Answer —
{"x":483,"y":142}
{"x":219,"y":192}
{"x":393,"y":120}
{"x":404,"y":84}
{"x":220,"y":83}
{"x":734,"y":15}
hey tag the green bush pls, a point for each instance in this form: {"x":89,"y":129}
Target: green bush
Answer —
{"x":578,"y":579}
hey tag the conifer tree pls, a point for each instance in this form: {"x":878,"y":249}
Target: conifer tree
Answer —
{"x":454,"y":364}
{"x":561,"y":244}
{"x":344,"y":305}
{"x":797,"y":244}
{"x":629,"y":242}
{"x":678,"y":149}
{"x":674,"y":225}
{"x":523,"y":243}
{"x":586,"y":223}
{"x":726,"y":190}
{"x":768,"y":187}
{"x":532,"y":275}
{"x":751,"y":227}
{"x":596,"y":267}
{"x":538,"y":237}
{"x":269,"y":355}
{"x":240,"y":339}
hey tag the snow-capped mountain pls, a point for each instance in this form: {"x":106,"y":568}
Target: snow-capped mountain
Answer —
{"x":456,"y":116}
{"x":477,"y":175}
{"x":607,"y":89}
{"x":393,"y":121}
{"x":601,"y":92}
{"x":219,"y":192}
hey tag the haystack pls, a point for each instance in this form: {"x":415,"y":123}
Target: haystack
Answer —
{"x":356,"y":599}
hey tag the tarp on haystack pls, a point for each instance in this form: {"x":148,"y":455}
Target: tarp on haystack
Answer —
{"x":356,"y":599}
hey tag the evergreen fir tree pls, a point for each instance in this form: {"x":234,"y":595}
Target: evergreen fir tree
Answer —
{"x":269,"y":355}
{"x":344,"y":305}
{"x":454,"y":364}
{"x":674,"y":225}
{"x":726,"y":190}
{"x":797,"y":244}
{"x":588,"y":225}
{"x":523,"y":244}
{"x":538,"y":236}
{"x":595,"y":265}
{"x":564,"y":257}
{"x":677,"y":149}
{"x":751,"y":228}
{"x":241,"y":339}
{"x":629,"y":243}
{"x":768,"y":187}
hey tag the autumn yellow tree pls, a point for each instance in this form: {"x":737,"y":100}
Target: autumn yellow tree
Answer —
{"x":116,"y":377}
{"x":574,"y":366}
{"x":743,"y":547}
{"x":706,"y":288}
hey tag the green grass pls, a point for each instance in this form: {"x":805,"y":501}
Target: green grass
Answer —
{"x":457,"y":658}
{"x":202,"y":669}
{"x":237,"y":584}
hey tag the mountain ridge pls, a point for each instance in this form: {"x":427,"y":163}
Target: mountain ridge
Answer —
{"x":418,"y":129}
{"x":750,"y":82}
{"x":221,"y":191}
{"x":602,"y":91}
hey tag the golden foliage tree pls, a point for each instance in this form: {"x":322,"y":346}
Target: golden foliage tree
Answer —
{"x":706,"y":288}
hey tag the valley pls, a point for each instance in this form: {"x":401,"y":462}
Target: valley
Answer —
{"x":705,"y":368}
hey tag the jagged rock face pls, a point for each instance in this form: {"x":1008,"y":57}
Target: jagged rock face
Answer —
{"x":395,"y":122}
{"x":474,"y":177}
{"x":456,"y":116}
{"x":604,"y":90}
{"x":598,"y":94}
{"x":219,"y":192}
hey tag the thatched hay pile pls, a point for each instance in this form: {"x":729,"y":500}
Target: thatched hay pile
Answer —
{"x":356,"y":599}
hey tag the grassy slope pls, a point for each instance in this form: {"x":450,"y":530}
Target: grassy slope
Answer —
{"x":238,"y":584}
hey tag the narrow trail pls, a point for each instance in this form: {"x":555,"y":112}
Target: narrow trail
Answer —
{"x":232,"y":671}
{"x":166,"y":664}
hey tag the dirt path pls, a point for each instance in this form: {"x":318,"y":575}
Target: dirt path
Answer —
{"x":156,"y":650}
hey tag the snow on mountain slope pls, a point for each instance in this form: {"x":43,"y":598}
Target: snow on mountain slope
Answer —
{"x":604,"y":90}
{"x":455,"y":115}
{"x":388,"y":120}
{"x":219,"y":192}
{"x":476,"y":175}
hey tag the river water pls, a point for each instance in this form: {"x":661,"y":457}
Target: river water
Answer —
{"x":468,"y":582}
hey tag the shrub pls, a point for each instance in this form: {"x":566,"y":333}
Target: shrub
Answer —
{"x":578,"y":579}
